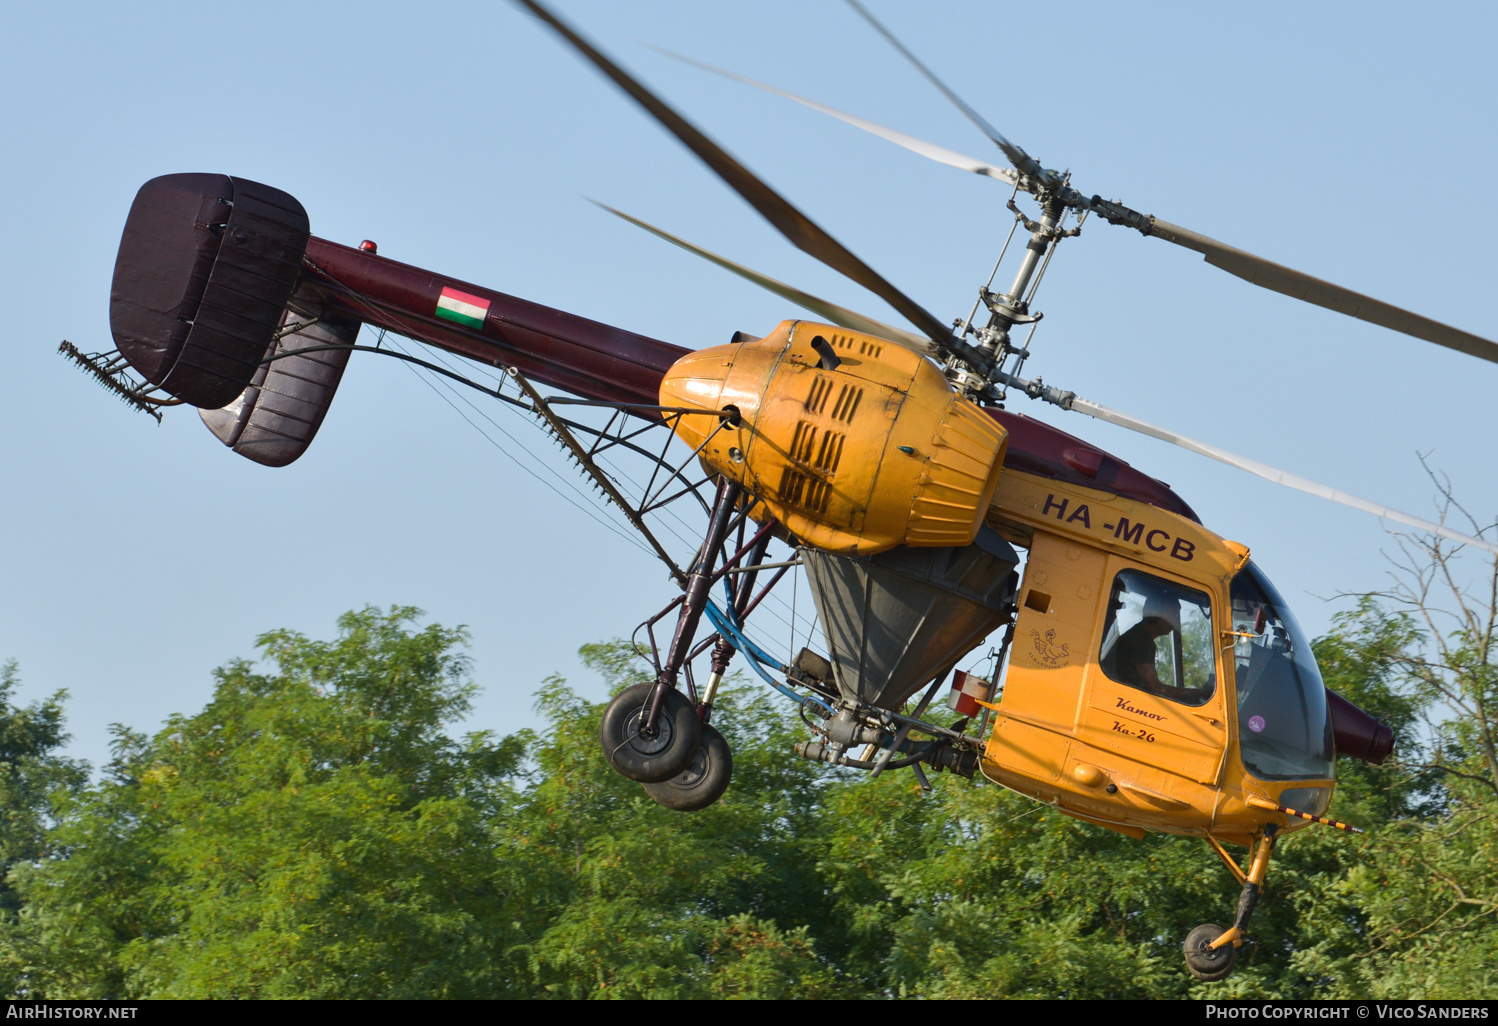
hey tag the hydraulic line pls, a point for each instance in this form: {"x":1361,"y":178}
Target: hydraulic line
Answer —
{"x":757,"y":656}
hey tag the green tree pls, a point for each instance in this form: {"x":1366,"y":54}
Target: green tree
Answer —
{"x":31,"y":774}
{"x":34,"y":780}
{"x":312,"y":832}
{"x":317,"y":830}
{"x":1428,"y":893}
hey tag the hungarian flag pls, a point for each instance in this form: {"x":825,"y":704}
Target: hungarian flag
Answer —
{"x":467,"y":310}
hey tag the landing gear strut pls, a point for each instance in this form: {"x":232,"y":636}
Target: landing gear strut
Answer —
{"x":1212,"y":952}
{"x":651,"y":732}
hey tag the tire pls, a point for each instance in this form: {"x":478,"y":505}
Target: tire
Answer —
{"x":1203,"y":962}
{"x":701,"y":783}
{"x":649,"y":760}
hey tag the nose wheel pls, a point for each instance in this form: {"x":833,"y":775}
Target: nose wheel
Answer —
{"x":1212,"y":952}
{"x":1204,"y":961}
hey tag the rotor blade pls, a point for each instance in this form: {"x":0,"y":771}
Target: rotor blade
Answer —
{"x":833,"y":313}
{"x":940,"y":154}
{"x":1277,"y":277}
{"x":1269,"y":473}
{"x":1018,"y":157}
{"x":791,"y":223}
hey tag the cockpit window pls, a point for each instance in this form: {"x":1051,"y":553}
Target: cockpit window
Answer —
{"x":1158,"y":638}
{"x":1284,"y":728}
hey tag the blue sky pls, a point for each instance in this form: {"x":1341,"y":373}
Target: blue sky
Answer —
{"x":1352,"y":141}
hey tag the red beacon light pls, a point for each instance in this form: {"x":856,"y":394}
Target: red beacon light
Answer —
{"x":368,"y":246}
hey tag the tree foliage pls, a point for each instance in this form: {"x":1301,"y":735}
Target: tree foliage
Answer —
{"x":317,"y":830}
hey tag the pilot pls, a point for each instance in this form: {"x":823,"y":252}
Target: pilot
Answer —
{"x":1135,"y":652}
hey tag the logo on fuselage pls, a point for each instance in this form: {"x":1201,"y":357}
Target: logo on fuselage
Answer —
{"x":1124,"y":704}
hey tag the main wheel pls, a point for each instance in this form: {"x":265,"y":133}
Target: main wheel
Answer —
{"x":1204,"y":962}
{"x":649,"y":759}
{"x":701,"y":783}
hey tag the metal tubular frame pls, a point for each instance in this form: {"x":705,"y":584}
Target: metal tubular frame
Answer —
{"x":1227,"y":860}
{"x":584,"y":459}
{"x":694,"y":600}
{"x":722,"y":522}
{"x":905,"y":728}
{"x":613,"y":434}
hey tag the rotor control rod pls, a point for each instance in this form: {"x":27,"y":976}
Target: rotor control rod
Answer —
{"x":1010,"y":308}
{"x":1007,"y":309}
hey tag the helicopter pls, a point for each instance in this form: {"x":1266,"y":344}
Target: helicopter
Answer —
{"x":1073,"y":722}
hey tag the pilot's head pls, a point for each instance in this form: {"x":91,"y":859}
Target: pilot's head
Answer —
{"x":1165,"y":614}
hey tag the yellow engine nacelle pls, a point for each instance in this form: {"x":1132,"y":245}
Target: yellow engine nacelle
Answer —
{"x":873,"y":453}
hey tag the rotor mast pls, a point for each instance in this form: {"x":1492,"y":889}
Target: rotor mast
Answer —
{"x":1008,"y":309}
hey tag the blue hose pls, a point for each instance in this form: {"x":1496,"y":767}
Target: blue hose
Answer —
{"x":724,"y":625}
{"x":732,"y":616}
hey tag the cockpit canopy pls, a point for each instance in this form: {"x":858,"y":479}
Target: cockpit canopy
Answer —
{"x":1284,"y":727}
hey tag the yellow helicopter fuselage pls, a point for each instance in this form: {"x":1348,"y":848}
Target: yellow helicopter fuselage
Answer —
{"x":1068,"y":734}
{"x":856,"y":445}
